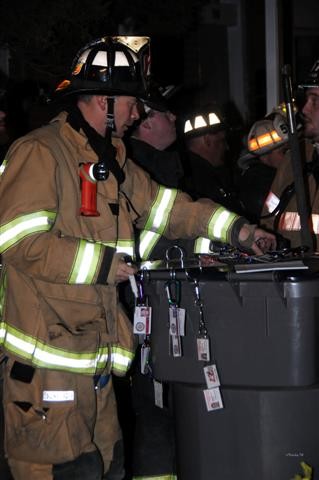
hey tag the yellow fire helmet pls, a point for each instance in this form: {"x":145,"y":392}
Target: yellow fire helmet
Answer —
{"x":264,"y":136}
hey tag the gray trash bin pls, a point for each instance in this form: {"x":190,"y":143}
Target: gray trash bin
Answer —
{"x":263,"y":336}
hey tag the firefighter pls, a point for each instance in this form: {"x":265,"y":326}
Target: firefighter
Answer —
{"x":69,"y":200}
{"x":206,"y":172}
{"x":281,"y":201}
{"x":266,"y":146}
{"x":153,"y":146}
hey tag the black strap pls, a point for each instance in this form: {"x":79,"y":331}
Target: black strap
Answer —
{"x":104,"y":149}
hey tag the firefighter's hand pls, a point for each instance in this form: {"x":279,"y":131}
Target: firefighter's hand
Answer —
{"x":256,"y":239}
{"x":124,"y":271}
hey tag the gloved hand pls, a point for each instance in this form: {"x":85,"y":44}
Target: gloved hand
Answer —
{"x":256,"y":239}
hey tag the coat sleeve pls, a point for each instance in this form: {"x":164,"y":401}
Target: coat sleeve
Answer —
{"x":174,"y":214}
{"x":283,"y":178}
{"x":29,"y":207}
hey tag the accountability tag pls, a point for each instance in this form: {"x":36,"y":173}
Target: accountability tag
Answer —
{"x":142,"y":320}
{"x":213,"y":399}
{"x":176,"y":320}
{"x":158,"y":393}
{"x":211,"y":376}
{"x":145,"y":355}
{"x":176,"y":345}
{"x":203,"y":350}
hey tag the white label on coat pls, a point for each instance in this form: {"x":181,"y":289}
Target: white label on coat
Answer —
{"x":58,"y":395}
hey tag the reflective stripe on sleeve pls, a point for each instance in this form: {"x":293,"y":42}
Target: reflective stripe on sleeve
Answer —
{"x":290,"y":221}
{"x":121,"y":359}
{"x":271,"y":202}
{"x":13,"y":232}
{"x":148,"y":240}
{"x":220,"y":224}
{"x":3,"y":166}
{"x":86,"y":262}
{"x":161,"y":209}
{"x":123,"y":246}
{"x":202,"y":245}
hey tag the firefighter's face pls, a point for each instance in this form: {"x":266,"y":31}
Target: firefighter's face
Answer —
{"x":125,"y":114}
{"x":216,"y":145}
{"x":310,"y":113}
{"x":162,"y":127}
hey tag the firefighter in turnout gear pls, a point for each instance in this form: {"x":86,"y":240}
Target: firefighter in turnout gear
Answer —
{"x":63,"y":331}
{"x":281,"y":200}
{"x":266,"y":145}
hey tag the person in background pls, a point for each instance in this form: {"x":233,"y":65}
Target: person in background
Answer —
{"x":280,"y":208}
{"x":206,"y":172}
{"x":152,"y":142}
{"x":266,"y":146}
{"x":152,"y":145}
{"x":69,"y":200}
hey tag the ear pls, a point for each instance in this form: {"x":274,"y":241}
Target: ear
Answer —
{"x":101,"y":100}
{"x":146,"y":124}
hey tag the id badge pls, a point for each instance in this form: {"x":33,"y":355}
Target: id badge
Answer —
{"x":145,"y":355}
{"x":213,"y":399}
{"x":142,"y":320}
{"x":176,"y":320}
{"x":211,"y":376}
{"x":203,"y":351}
{"x":158,"y":393}
{"x":176,"y":345}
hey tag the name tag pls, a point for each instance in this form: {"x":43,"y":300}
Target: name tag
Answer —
{"x":58,"y":395}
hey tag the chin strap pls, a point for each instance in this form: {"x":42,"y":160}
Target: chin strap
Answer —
{"x":102,"y":146}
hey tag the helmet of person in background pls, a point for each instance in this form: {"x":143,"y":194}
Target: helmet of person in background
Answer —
{"x":111,"y":65}
{"x":159,"y":97}
{"x":205,"y":120}
{"x":312,"y":80}
{"x":264,"y":136}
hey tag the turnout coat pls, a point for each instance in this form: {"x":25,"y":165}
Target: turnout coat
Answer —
{"x":59,"y":310}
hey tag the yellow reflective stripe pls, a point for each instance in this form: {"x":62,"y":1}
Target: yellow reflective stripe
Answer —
{"x":3,"y":166}
{"x":86,"y":262}
{"x":220,"y":224}
{"x":202,"y":245}
{"x":161,"y":209}
{"x":45,"y":356}
{"x":290,"y":221}
{"x":123,"y":246}
{"x":148,"y":240}
{"x":19,"y":228}
{"x":271,"y":202}
{"x":121,"y":358}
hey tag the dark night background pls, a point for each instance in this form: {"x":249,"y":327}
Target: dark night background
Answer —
{"x":215,"y":48}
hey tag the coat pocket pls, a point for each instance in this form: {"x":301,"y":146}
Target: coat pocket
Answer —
{"x":45,"y":435}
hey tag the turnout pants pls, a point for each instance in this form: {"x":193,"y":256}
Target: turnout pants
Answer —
{"x":59,"y":425}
